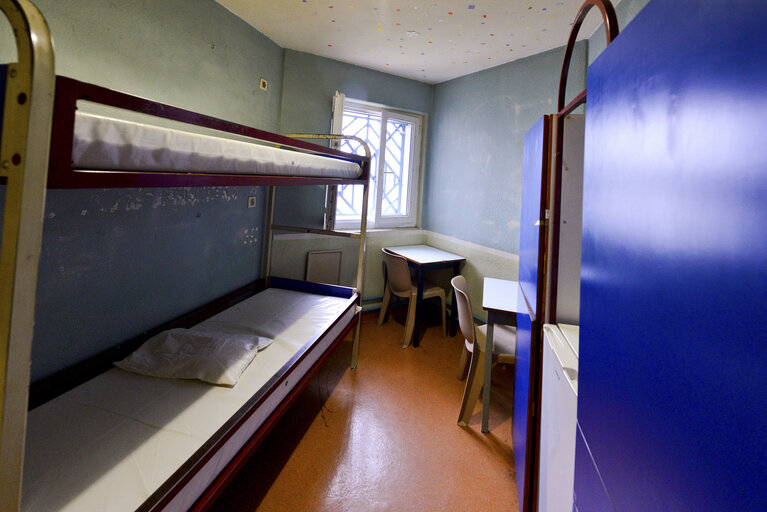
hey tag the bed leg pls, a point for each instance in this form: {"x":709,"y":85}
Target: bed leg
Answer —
{"x":356,"y":343}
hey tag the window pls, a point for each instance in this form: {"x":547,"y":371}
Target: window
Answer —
{"x":394,"y":138}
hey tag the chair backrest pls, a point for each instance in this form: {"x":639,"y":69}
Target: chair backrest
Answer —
{"x":465,"y":318}
{"x":399,"y":280}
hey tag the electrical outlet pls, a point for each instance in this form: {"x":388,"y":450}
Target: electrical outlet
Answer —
{"x":252,"y":202}
{"x":263,"y":84}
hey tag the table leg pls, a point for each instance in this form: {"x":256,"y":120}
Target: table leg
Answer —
{"x":418,"y":301}
{"x":454,"y":305}
{"x":488,"y":372}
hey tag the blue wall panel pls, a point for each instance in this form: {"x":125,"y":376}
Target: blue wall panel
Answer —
{"x":535,"y":165}
{"x":536,"y":147}
{"x":521,"y":392}
{"x":590,"y":494}
{"x":672,"y":396}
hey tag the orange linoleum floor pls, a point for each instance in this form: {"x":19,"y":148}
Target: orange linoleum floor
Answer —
{"x":384,"y":437}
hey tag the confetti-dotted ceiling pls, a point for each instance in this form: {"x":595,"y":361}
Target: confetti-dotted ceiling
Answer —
{"x":431,"y":41}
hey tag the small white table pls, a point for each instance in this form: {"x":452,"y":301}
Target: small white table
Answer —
{"x":499,"y":299}
{"x":422,"y":258}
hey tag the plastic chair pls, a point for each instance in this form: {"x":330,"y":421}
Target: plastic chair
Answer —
{"x":400,"y":284}
{"x":504,"y":349}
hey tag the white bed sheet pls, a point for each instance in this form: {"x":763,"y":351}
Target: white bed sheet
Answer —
{"x":110,"y":443}
{"x":106,"y":143}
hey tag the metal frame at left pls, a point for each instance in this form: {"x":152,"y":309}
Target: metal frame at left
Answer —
{"x":26,"y":128}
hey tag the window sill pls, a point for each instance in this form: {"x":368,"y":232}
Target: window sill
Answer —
{"x":370,"y":233}
{"x":380,"y":231}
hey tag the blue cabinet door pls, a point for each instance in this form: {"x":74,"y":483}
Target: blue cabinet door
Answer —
{"x":521,"y":418}
{"x":535,"y":168}
{"x":673,"y":357}
{"x":527,"y":367}
{"x":590,"y":494}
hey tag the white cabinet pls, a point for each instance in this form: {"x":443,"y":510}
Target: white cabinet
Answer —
{"x":559,"y":400}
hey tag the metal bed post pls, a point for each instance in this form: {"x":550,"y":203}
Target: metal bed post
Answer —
{"x":27,"y":114}
{"x":361,"y":268}
{"x":267,"y":263}
{"x":331,"y":232}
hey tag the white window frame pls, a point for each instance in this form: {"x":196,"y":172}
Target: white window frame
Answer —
{"x":375,"y":219}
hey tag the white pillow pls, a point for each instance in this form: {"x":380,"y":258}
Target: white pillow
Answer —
{"x":218,"y":358}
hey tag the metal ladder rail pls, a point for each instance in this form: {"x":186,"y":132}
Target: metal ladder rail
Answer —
{"x":26,"y":129}
{"x":271,"y":227}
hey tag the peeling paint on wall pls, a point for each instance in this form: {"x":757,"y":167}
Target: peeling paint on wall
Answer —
{"x":115,"y":262}
{"x":126,"y":200}
{"x":249,"y":236}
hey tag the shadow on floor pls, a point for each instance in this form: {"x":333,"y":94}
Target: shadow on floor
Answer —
{"x":385,"y":436}
{"x":248,"y":488}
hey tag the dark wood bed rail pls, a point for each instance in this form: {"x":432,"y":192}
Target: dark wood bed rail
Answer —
{"x":62,"y":175}
{"x":165,"y":494}
{"x":610,"y":21}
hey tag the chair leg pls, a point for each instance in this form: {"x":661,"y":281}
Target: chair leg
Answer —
{"x":463,"y":364}
{"x":474,"y":383}
{"x":384,"y":305}
{"x":410,"y":324}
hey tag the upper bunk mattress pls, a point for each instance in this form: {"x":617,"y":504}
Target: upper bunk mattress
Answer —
{"x":110,"y":443}
{"x":105,"y":143}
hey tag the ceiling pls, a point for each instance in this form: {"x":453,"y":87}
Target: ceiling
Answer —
{"x":427,"y":40}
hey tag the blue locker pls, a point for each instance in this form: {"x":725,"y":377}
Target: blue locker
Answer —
{"x":525,"y":334}
{"x":673,"y":359}
{"x":525,"y":420}
{"x":535,"y":168}
{"x":590,"y":492}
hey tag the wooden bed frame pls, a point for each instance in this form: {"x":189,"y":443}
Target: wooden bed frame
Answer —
{"x":61,"y":174}
{"x":163,"y":496}
{"x":29,"y":162}
{"x":291,"y":374}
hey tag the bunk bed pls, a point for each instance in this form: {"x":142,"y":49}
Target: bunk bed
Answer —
{"x":117,"y":440}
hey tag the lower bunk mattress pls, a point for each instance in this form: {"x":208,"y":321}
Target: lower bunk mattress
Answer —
{"x":123,"y":441}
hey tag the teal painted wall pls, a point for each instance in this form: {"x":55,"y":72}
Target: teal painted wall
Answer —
{"x":190,"y":53}
{"x":472,"y":189}
{"x":117,"y":262}
{"x":311,"y":81}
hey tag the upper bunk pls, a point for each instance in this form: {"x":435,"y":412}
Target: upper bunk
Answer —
{"x":144,"y":143}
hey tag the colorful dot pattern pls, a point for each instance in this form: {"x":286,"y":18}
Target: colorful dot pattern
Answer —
{"x":427,"y":40}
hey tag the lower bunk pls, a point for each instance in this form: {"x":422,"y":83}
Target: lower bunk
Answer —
{"x":124,"y":441}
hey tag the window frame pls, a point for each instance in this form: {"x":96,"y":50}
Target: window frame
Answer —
{"x":375,"y":218}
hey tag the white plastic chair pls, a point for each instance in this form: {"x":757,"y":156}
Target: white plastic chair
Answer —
{"x":504,"y":349}
{"x":400,"y":284}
